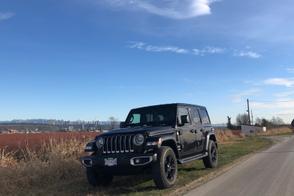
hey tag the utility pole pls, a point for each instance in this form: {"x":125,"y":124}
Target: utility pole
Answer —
{"x":248,"y":111}
{"x":252,"y":119}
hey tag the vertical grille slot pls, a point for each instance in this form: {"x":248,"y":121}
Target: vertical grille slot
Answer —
{"x":118,"y":144}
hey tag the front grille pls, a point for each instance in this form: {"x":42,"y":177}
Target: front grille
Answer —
{"x":118,"y":144}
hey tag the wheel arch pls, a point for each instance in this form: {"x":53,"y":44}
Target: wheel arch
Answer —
{"x":172,"y":144}
{"x":211,"y":137}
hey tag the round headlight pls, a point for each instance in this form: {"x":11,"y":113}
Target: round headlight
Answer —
{"x":138,"y":140}
{"x":100,"y":142}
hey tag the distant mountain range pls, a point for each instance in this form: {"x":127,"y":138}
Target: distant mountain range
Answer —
{"x":52,"y":122}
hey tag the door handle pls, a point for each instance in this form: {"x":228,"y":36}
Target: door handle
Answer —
{"x":193,"y":130}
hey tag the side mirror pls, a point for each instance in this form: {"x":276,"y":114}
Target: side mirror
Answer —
{"x":184,"y":120}
{"x":122,"y":125}
{"x":292,"y":124}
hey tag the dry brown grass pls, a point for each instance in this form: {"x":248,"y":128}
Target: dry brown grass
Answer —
{"x":228,"y":136}
{"x":277,"y":131}
{"x":33,"y":169}
{"x":7,"y":159}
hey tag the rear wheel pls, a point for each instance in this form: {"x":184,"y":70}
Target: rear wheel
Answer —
{"x":165,"y":169}
{"x":212,"y":159}
{"x":96,"y":179}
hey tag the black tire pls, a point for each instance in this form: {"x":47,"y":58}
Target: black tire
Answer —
{"x":165,"y":169}
{"x":211,"y":160}
{"x":96,"y":179}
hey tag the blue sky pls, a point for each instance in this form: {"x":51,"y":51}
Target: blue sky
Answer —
{"x":92,"y":59}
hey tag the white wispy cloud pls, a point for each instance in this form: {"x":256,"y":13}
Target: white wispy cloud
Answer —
{"x":6,"y":15}
{"x":208,"y":50}
{"x":238,"y":97}
{"x":153,"y":48}
{"x":281,"y":108}
{"x":277,"y":104}
{"x":284,"y":94}
{"x":287,"y":82}
{"x":286,"y":112}
{"x":248,"y":54}
{"x":204,"y":51}
{"x":290,"y":69}
{"x":175,"y":9}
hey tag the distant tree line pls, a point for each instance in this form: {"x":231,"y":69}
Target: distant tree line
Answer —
{"x":274,"y":122}
{"x":243,"y":119}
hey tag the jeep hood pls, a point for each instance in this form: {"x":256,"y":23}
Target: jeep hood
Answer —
{"x":151,"y":131}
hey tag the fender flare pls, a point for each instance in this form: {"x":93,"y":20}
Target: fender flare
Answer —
{"x":210,"y":136}
{"x":171,"y":142}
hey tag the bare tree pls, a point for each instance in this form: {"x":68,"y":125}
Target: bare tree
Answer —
{"x":113,"y":122}
{"x":242,"y":119}
{"x":277,"y":121}
{"x":258,"y":121}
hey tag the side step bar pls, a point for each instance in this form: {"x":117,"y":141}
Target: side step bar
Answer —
{"x":199,"y":156}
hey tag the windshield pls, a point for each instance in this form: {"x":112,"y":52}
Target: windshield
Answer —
{"x":152,"y":116}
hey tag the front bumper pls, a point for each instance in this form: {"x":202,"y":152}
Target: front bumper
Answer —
{"x":120,"y":162}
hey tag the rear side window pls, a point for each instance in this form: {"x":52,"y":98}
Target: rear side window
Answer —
{"x":204,"y":116}
{"x":195,"y":115}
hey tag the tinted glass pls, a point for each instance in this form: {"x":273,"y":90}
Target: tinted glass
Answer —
{"x":181,"y":112}
{"x":152,"y":116}
{"x":135,"y":119}
{"x":204,"y":116}
{"x":195,"y":116}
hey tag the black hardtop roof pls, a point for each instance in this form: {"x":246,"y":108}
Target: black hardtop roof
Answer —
{"x":171,"y":104}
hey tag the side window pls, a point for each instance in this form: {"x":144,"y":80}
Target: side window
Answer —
{"x":195,"y":116}
{"x":149,"y":118}
{"x":183,"y":112}
{"x":204,"y":116}
{"x":136,"y":118}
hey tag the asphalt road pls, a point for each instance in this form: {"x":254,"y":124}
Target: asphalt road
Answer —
{"x":267,"y":173}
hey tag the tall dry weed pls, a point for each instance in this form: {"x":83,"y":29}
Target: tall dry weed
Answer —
{"x":7,"y":159}
{"x":54,"y":161}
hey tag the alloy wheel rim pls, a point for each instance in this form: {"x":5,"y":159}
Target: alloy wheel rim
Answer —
{"x":213,"y":154}
{"x":170,"y":168}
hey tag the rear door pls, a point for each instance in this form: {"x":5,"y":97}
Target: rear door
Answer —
{"x":199,"y":130}
{"x":187,"y":135}
{"x":205,"y":121}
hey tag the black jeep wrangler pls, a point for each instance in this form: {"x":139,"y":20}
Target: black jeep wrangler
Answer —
{"x":155,"y":138}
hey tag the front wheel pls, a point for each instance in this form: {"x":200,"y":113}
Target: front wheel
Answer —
{"x":165,"y":169}
{"x":212,"y":159}
{"x":96,"y":179}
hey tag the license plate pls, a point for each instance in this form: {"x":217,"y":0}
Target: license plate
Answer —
{"x":110,"y":162}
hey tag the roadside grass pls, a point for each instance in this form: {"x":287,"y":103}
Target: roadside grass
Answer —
{"x":60,"y":173}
